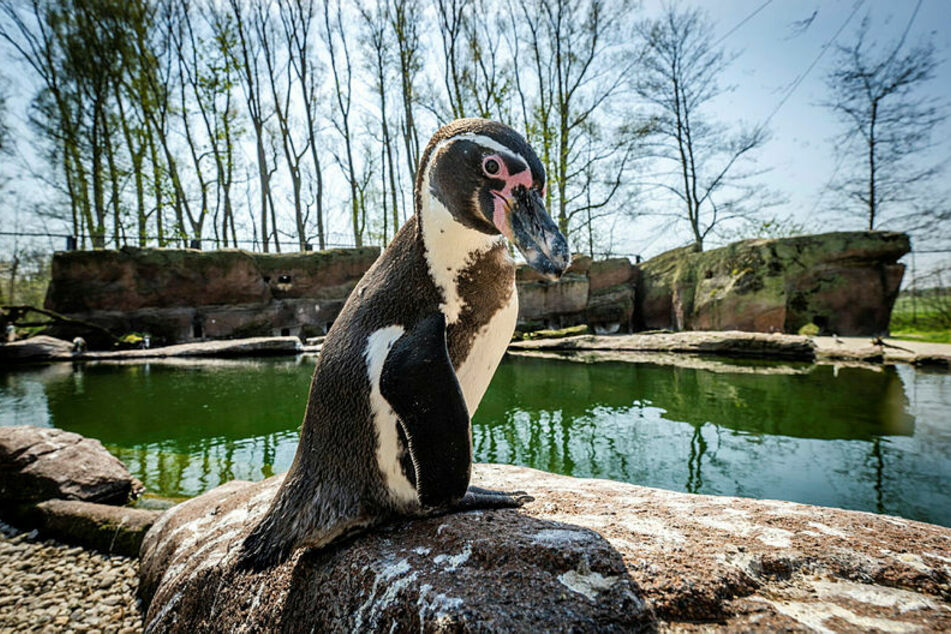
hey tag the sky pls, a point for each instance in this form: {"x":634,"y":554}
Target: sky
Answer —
{"x":800,"y":154}
{"x":770,"y":57}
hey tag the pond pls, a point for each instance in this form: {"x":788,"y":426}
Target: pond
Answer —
{"x":869,"y":438}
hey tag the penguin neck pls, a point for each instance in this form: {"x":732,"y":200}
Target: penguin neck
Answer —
{"x":450,"y":248}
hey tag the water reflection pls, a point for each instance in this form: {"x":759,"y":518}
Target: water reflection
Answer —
{"x":182,"y":426}
{"x":874,"y":439}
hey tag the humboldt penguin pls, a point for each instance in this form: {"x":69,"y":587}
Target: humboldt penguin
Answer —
{"x":387,"y":428}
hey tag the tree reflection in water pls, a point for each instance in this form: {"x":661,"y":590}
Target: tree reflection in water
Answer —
{"x":872,"y":439}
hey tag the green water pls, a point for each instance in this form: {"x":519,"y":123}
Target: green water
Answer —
{"x":875,"y":440}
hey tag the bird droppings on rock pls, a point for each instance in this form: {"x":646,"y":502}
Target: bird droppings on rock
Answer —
{"x":589,"y":584}
{"x":826,"y":530}
{"x":454,"y":561}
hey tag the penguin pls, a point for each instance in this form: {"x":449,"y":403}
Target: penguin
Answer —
{"x":387,"y":429}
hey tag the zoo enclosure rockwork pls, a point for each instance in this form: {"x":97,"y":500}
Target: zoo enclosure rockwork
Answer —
{"x":845,"y":283}
{"x":183,"y":295}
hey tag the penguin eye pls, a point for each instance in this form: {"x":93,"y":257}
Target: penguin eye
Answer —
{"x":490,"y":166}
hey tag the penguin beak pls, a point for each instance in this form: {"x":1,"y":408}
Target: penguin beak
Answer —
{"x":535,"y":234}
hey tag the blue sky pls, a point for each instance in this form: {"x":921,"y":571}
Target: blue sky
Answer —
{"x":800,"y":154}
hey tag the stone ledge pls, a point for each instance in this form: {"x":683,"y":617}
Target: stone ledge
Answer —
{"x":729,"y":343}
{"x":45,"y":348}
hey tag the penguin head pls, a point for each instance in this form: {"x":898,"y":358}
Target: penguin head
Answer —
{"x":491,"y":181}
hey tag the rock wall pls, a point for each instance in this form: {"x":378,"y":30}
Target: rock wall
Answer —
{"x":845,"y":283}
{"x":600,"y":294}
{"x":179,"y":295}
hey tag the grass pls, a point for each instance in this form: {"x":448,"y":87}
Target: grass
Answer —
{"x":926,"y":319}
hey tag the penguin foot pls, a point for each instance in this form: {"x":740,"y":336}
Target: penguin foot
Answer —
{"x":514,"y":494}
{"x":476,"y":498}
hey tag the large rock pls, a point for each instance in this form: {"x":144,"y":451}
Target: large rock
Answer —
{"x":38,"y":463}
{"x":178,"y":295}
{"x":587,"y":555}
{"x":555,"y":304}
{"x":39,"y":348}
{"x":110,"y":529}
{"x":845,"y":283}
{"x":611,"y":308}
{"x":611,"y":272}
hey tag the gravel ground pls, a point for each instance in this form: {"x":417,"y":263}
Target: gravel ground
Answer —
{"x":47,"y":586}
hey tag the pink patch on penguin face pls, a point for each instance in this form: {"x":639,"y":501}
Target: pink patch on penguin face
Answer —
{"x":494,"y":167}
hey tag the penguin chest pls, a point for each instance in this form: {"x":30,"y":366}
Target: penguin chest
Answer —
{"x":486,"y":349}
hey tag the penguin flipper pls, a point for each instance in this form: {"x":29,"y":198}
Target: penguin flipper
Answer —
{"x":420,"y":384}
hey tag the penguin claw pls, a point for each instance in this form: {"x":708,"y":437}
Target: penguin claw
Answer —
{"x":511,"y":494}
{"x":476,"y":498}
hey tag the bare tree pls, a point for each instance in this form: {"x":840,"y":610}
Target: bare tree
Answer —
{"x":887,"y":128}
{"x":297,"y":20}
{"x":248,"y":55}
{"x":570,"y":76}
{"x":451,"y":16}
{"x":276,"y":48}
{"x":4,"y":127}
{"x":377,"y":46}
{"x":207,"y":70}
{"x":405,"y":20}
{"x":488,"y":83}
{"x":680,"y":69}
{"x":476,"y":79}
{"x":335,"y":38}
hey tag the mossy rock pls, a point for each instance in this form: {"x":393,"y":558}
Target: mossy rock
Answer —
{"x":842,"y":282}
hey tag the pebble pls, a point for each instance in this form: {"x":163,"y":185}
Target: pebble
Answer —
{"x":51,"y":587}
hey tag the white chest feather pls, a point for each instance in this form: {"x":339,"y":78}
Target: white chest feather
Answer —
{"x":489,"y":346}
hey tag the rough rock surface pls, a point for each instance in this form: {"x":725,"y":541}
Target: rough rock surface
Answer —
{"x":730,"y":344}
{"x":39,"y":348}
{"x":182,"y":294}
{"x":52,"y":587}
{"x":110,"y":529}
{"x":540,"y":301}
{"x":38,"y":463}
{"x":845,"y":283}
{"x":599,"y":294}
{"x":51,"y":349}
{"x":254,"y":346}
{"x":587,"y":555}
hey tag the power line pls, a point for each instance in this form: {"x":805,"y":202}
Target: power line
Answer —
{"x":911,"y":20}
{"x":822,"y":51}
{"x":742,"y":22}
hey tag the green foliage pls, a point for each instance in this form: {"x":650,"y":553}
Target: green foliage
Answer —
{"x":809,"y":330}
{"x":24,"y":278}
{"x":925,"y":316}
